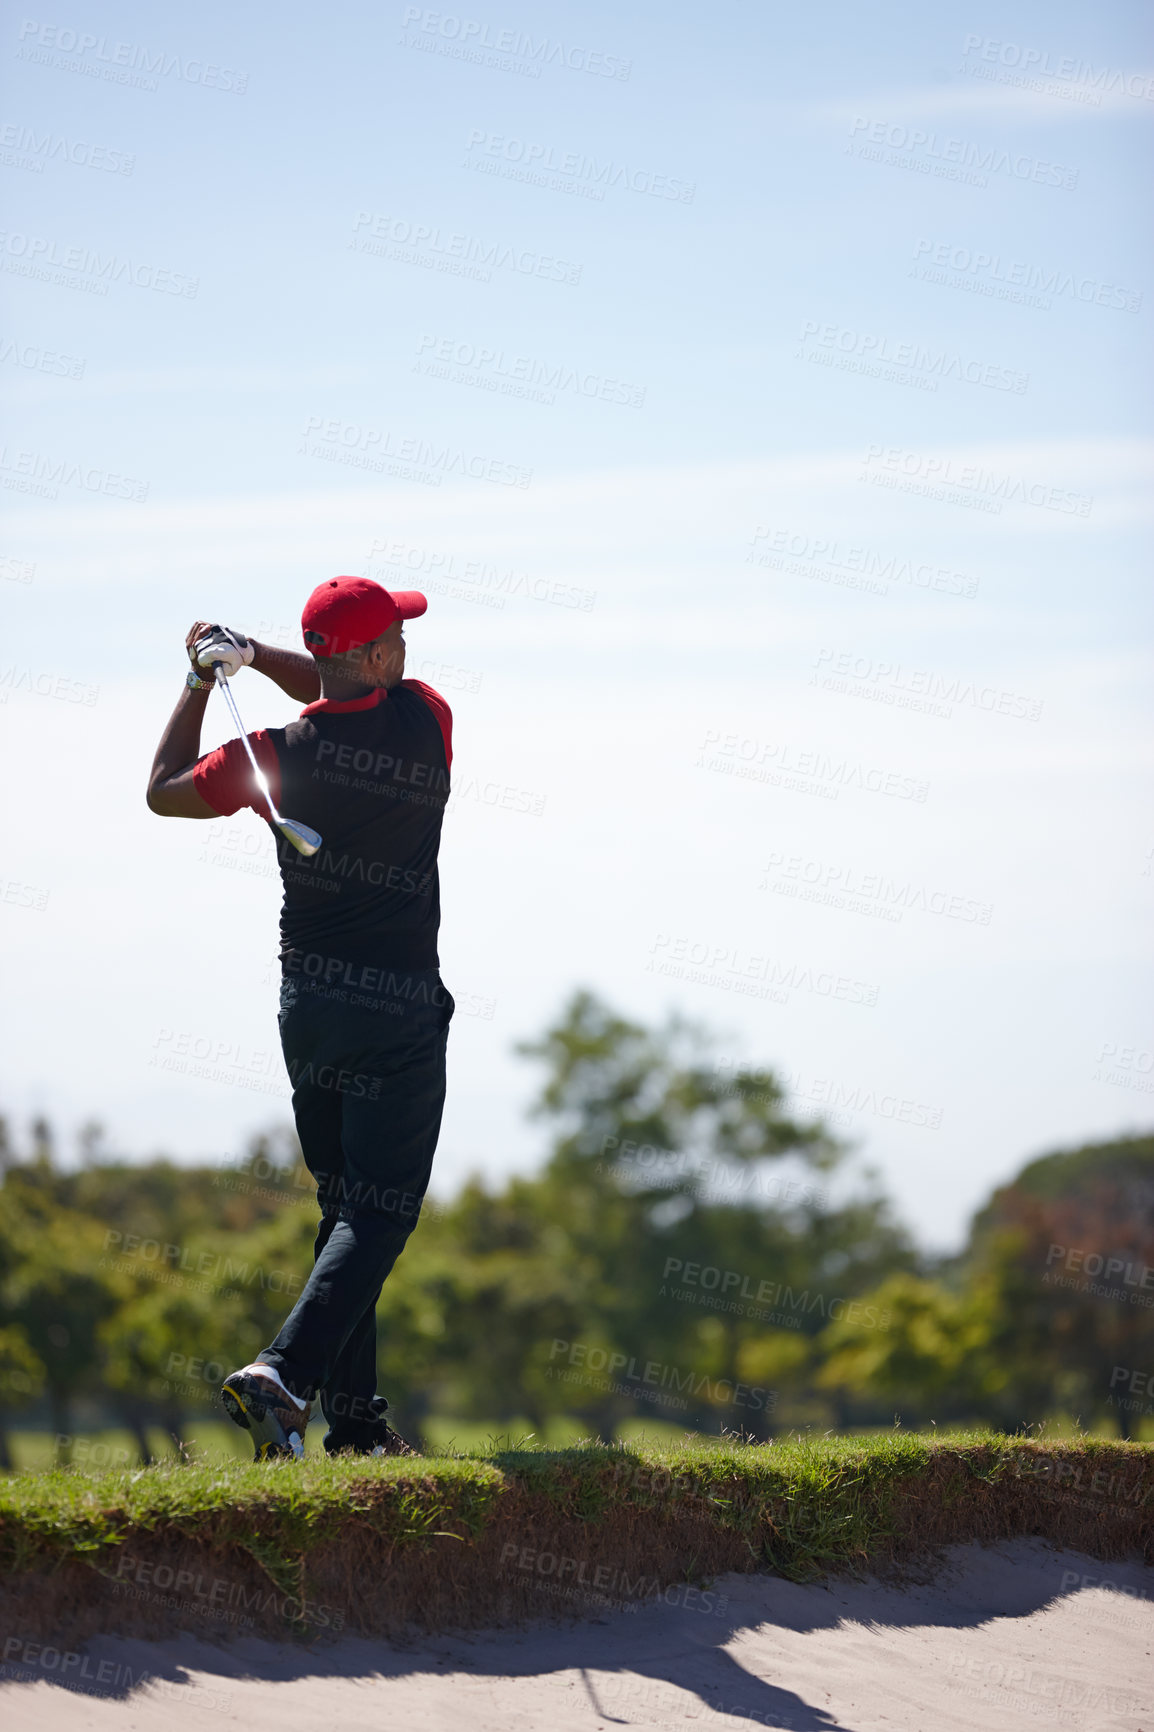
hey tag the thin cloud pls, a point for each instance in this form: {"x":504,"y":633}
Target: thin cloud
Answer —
{"x":1058,"y":100}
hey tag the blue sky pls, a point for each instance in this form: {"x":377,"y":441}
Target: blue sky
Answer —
{"x":759,"y":399}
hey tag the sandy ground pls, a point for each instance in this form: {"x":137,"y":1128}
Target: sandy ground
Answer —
{"x":1017,"y":1635}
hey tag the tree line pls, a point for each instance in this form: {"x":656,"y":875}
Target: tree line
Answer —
{"x":689,"y":1251}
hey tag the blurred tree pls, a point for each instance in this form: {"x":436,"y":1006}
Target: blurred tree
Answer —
{"x":923,"y":1349}
{"x":1065,"y":1257}
{"x":565,"y":1295}
{"x":90,"y":1144}
{"x":59,"y":1291}
{"x":21,"y":1380}
{"x":676,"y":1257}
{"x":43,"y":1144}
{"x":8,"y":1155}
{"x":166,"y":1350}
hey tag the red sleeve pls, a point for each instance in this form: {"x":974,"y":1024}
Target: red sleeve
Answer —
{"x":225,"y":780}
{"x":440,"y":709}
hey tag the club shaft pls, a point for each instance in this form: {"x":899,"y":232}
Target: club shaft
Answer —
{"x":261,"y":778}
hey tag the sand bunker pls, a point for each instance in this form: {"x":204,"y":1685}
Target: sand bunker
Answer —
{"x":1011,"y":1635}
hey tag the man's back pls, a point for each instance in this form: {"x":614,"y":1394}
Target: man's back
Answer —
{"x":371,"y":774}
{"x":373,"y":778}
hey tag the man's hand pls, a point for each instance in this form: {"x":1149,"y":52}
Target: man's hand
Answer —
{"x":295,"y":673}
{"x":217,"y":643}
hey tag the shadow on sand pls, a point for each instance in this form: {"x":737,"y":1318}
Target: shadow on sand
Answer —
{"x":627,"y":1661}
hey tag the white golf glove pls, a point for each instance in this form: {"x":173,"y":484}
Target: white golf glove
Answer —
{"x":230,"y":648}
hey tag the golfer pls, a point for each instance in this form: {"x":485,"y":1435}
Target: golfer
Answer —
{"x":364,"y":1015}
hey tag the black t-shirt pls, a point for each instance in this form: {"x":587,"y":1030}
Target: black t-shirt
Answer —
{"x":372,"y":776}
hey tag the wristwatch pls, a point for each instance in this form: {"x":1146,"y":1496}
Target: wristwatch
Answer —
{"x":196,"y":684}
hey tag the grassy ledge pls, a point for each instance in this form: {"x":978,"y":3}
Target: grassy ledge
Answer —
{"x":322,"y":1548}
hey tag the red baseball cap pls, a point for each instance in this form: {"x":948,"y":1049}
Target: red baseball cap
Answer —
{"x":343,"y":613}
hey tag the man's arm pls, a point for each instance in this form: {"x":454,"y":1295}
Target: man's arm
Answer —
{"x":293,"y":671}
{"x":171,"y":791}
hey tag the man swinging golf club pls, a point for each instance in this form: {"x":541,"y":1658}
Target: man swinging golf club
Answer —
{"x":364,"y":1015}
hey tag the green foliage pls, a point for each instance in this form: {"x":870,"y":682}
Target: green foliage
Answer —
{"x":21,"y":1368}
{"x":927,"y":1357}
{"x":1064,"y":1259}
{"x":675,"y":1259}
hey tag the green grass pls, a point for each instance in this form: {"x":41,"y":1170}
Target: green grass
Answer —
{"x":218,"y":1440}
{"x":832,"y":1487}
{"x":431,"y":1533}
{"x":111,"y":1449}
{"x":478,"y":1436}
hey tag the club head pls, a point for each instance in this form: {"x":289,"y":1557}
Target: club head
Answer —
{"x":304,"y":840}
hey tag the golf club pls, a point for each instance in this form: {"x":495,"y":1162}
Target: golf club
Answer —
{"x":304,"y":840}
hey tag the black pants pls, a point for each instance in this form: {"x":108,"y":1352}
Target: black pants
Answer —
{"x":368,"y":1077}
